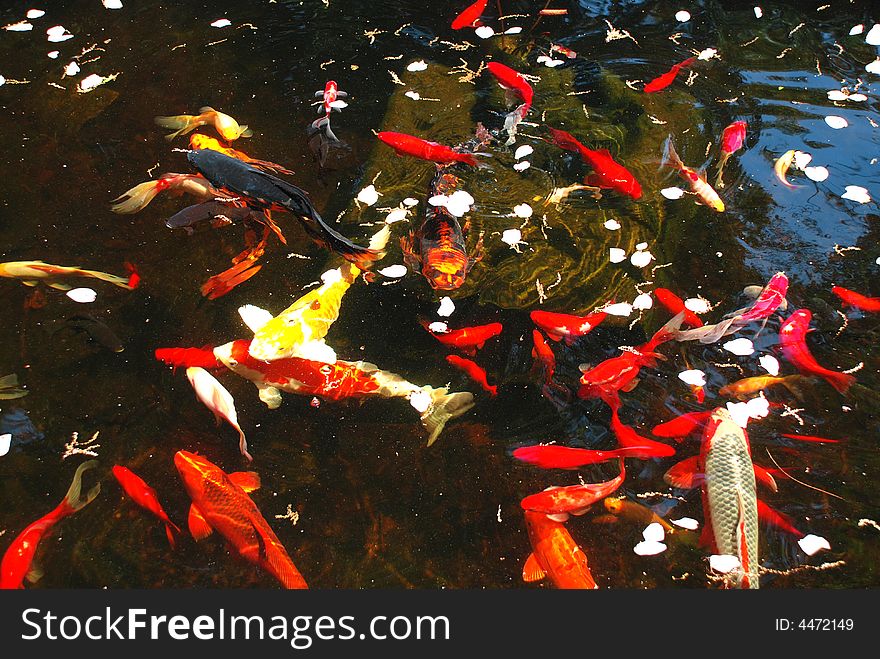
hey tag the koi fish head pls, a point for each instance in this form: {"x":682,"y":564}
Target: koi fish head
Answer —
{"x":200,"y":141}
{"x":197,"y":473}
{"x":796,"y":324}
{"x":446,"y":275}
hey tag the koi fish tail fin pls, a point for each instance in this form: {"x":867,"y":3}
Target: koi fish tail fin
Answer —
{"x":719,"y":182}
{"x":670,"y":156}
{"x":687,"y":62}
{"x":181,"y":124}
{"x":468,"y":159}
{"x":795,"y":384}
{"x":323,"y":124}
{"x":186,"y":357}
{"x":326,"y":236}
{"x":242,"y":444}
{"x":841,"y":381}
{"x":666,"y":333}
{"x":444,"y":406}
{"x":122,"y":282}
{"x":136,"y":199}
{"x":170,"y":529}
{"x":564,"y":140}
{"x":74,"y":500}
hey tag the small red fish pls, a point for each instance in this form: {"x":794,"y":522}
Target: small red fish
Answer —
{"x":466,"y":339}
{"x":608,"y":173}
{"x":792,"y":335}
{"x":330,"y":98}
{"x":513,"y":83}
{"x":474,"y":371}
{"x":674,"y":304}
{"x":629,"y":438}
{"x":574,"y":499}
{"x":663,"y":81}
{"x":857,"y":300}
{"x":18,"y":559}
{"x":682,"y":425}
{"x":134,"y":277}
{"x":566,"y":457}
{"x":470,"y":16}
{"x":732,"y":139}
{"x":810,"y":438}
{"x":409,"y":145}
{"x":562,"y":325}
{"x":543,"y":355}
{"x":144,"y":496}
{"x":555,"y":554}
{"x":558,"y":48}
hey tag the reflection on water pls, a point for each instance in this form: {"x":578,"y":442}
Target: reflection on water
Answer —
{"x":375,"y":507}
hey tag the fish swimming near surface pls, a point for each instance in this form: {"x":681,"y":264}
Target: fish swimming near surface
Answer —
{"x":219,"y":212}
{"x":138,"y":197}
{"x":663,"y":81}
{"x":627,"y":437}
{"x":572,"y":499}
{"x":470,"y":16}
{"x":560,"y":326}
{"x":635,"y":512}
{"x":674,"y":304}
{"x":781,"y":166}
{"x":182,"y":124}
{"x":18,"y":561}
{"x":474,"y":371}
{"x":555,"y":554}
{"x":200,"y":141}
{"x":792,"y":337}
{"x":682,"y":425}
{"x":725,"y":471}
{"x":732,"y":139}
{"x":466,"y":339}
{"x":515,"y":86}
{"x":220,"y":503}
{"x":31,"y":273}
{"x":748,"y":386}
{"x":144,"y":496}
{"x":607,"y":173}
{"x":857,"y":300}
{"x":331,"y":99}
{"x":217,"y":399}
{"x":551,"y":456}
{"x":696,"y":180}
{"x":409,"y":145}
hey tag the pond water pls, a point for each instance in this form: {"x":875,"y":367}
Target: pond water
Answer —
{"x":375,"y":507}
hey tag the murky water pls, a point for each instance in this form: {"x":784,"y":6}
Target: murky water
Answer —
{"x":377,"y":508}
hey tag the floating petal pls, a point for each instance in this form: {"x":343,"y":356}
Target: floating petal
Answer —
{"x":523,"y":210}
{"x":83,"y":295}
{"x":836,"y":95}
{"x":612,"y":225}
{"x":641,"y":259}
{"x":421,"y":400}
{"x":873,"y":67}
{"x":616,"y":255}
{"x":438,"y":326}
{"x":697,"y":304}
{"x":857,"y":193}
{"x":836,"y":122}
{"x":447,"y":306}
{"x":643,"y":301}
{"x":397,"y":215}
{"x":523,"y":151}
{"x":368,"y":195}
{"x":221,"y":22}
{"x":511,"y":236}
{"x":418,"y":65}
{"x":394,"y":271}
{"x":618,"y":309}
{"x":682,"y":16}
{"x":693,"y":376}
{"x":810,"y":543}
{"x":35,"y":13}
{"x":410,"y":201}
{"x":112,"y":4}
{"x":413,"y":95}
{"x":758,"y":12}
{"x":873,"y":36}
{"x":58,"y":33}
{"x":5,"y":443}
{"x":484,"y":32}
{"x":672,"y":193}
{"x":856,"y":29}
{"x":816,"y":173}
{"x":647,"y":548}
{"x":513,"y":30}
{"x":654,"y":532}
{"x":802,"y":159}
{"x":21,"y":26}
{"x":724,"y":563}
{"x":522,"y":166}
{"x":740,"y":347}
{"x":770,"y":364}
{"x":688,"y":523}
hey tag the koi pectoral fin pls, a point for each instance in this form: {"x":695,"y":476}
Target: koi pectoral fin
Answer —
{"x":532,"y":570}
{"x":198,"y":525}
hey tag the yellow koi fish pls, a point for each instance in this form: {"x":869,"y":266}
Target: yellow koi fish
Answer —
{"x":781,"y":167}
{"x":705,"y":192}
{"x":33,"y":272}
{"x":186,"y":123}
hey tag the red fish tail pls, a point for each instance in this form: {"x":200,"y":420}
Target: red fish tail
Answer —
{"x":186,"y":357}
{"x":170,"y":529}
{"x":565,"y":140}
{"x":468,"y":159}
{"x":686,"y":63}
{"x":134,"y":277}
{"x":840,"y":381}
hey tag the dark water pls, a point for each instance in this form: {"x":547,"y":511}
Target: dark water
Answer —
{"x":376,"y":507}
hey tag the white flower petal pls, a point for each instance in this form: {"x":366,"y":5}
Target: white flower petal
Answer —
{"x":421,"y":400}
{"x":688,"y":523}
{"x":811,"y":544}
{"x":484,"y":31}
{"x":552,"y":63}
{"x":641,"y":259}
{"x":682,"y":16}
{"x":461,"y":197}
{"x":654,"y":532}
{"x":83,"y":295}
{"x":54,"y":54}
{"x":856,"y":29}
{"x":523,"y":151}
{"x":802,"y":159}
{"x":21,"y":26}
{"x":438,"y":200}
{"x":35,"y":13}
{"x":672,"y":193}
{"x":856,"y":193}
{"x":857,"y":97}
{"x":616,"y":255}
{"x":5,"y":443}
{"x":368,"y":195}
{"x":413,"y":95}
{"x":71,"y":69}
{"x":693,"y":376}
{"x":511,"y":236}
{"x":522,"y":165}
{"x":418,"y":65}
{"x":758,"y":407}
{"x":836,"y":95}
{"x":394,"y":271}
{"x":457,"y":206}
{"x":397,"y":215}
{"x":873,"y":67}
{"x":836,"y":122}
{"x":697,"y":304}
{"x":410,"y":201}
{"x":612,"y":225}
{"x":513,"y":30}
{"x":724,"y":563}
{"x":643,"y":301}
{"x":817,"y":174}
{"x":873,"y":36}
{"x":2,"y":81}
{"x":221,"y":22}
{"x":522,"y":210}
{"x":112,"y":4}
{"x":58,"y":33}
{"x":770,"y":364}
{"x":646,"y":548}
{"x":707,"y":54}
{"x":739,"y":412}
{"x":439,"y":327}
{"x":447,"y":306}
{"x":642,"y":246}
{"x":740,"y":347}
{"x":758,"y":12}
{"x":90,"y":82}
{"x":618,"y":309}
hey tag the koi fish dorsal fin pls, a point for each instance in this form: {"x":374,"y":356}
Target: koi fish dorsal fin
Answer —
{"x":684,"y":474}
{"x":207,"y":108}
{"x":246,"y":480}
{"x":254,"y":317}
{"x":532,"y":570}
{"x":198,"y":525}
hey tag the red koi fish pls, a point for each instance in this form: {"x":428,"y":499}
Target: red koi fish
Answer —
{"x":137,"y":198}
{"x":674,"y":304}
{"x":466,"y":339}
{"x":562,"y":325}
{"x":566,"y":457}
{"x":470,"y":16}
{"x":514,"y":84}
{"x":542,"y":354}
{"x":17,"y":563}
{"x":409,"y":145}
{"x":732,"y":140}
{"x":682,"y":425}
{"x":663,"y":81}
{"x":330,"y":98}
{"x":792,"y":335}
{"x":608,"y":173}
{"x":857,"y":300}
{"x":144,"y":496}
{"x":810,"y":438}
{"x":220,"y":502}
{"x":555,"y":554}
{"x":619,"y":373}
{"x":697,"y":180}
{"x":474,"y":372}
{"x":629,"y":438}
{"x":574,"y":499}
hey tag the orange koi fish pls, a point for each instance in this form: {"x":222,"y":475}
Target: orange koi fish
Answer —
{"x":137,"y":198}
{"x":543,"y":354}
{"x":144,"y":496}
{"x":857,"y":300}
{"x":810,"y":438}
{"x":220,"y":502}
{"x":635,"y":512}
{"x":792,"y":335}
{"x":629,"y":438}
{"x":409,"y":145}
{"x":748,"y":386}
{"x":466,"y":339}
{"x":697,"y":181}
{"x":470,"y":16}
{"x":574,"y":499}
{"x":564,"y":326}
{"x":474,"y":371}
{"x":182,"y":124}
{"x":200,"y":141}
{"x":608,"y":173}
{"x":682,"y":425}
{"x":33,"y":272}
{"x":555,"y":554}
{"x":17,"y":563}
{"x":663,"y":81}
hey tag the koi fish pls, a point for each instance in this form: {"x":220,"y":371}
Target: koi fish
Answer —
{"x":470,"y":16}
{"x":217,"y":399}
{"x":564,"y":326}
{"x":608,"y":173}
{"x":629,"y":438}
{"x":18,"y":561}
{"x":555,"y":554}
{"x":565,"y":457}
{"x":810,"y":438}
{"x":137,"y":198}
{"x":438,"y":249}
{"x":9,"y":388}
{"x":748,"y":386}
{"x":573,"y":499}
{"x":663,"y":81}
{"x":200,"y":141}
{"x":97,"y":331}
{"x":330,"y":381}
{"x":732,"y":139}
{"x":559,"y":48}
{"x":186,"y":123}
{"x":33,"y":272}
{"x":220,"y":502}
{"x":697,"y":180}
{"x":635,"y":512}
{"x":466,"y":339}
{"x":856,"y":300}
{"x":792,"y":335}
{"x":331,"y":97}
{"x":409,"y":145}
{"x":619,"y":373}
{"x":219,"y":212}
{"x":514,"y":85}
{"x":725,"y":471}
{"x":474,"y":371}
{"x":543,"y":354}
{"x":674,"y":304}
{"x":781,"y":167}
{"x":144,"y":496}
{"x":682,"y":425}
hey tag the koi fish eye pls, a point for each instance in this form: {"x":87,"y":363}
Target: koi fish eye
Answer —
{"x":327,"y":369}
{"x":315,"y":305}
